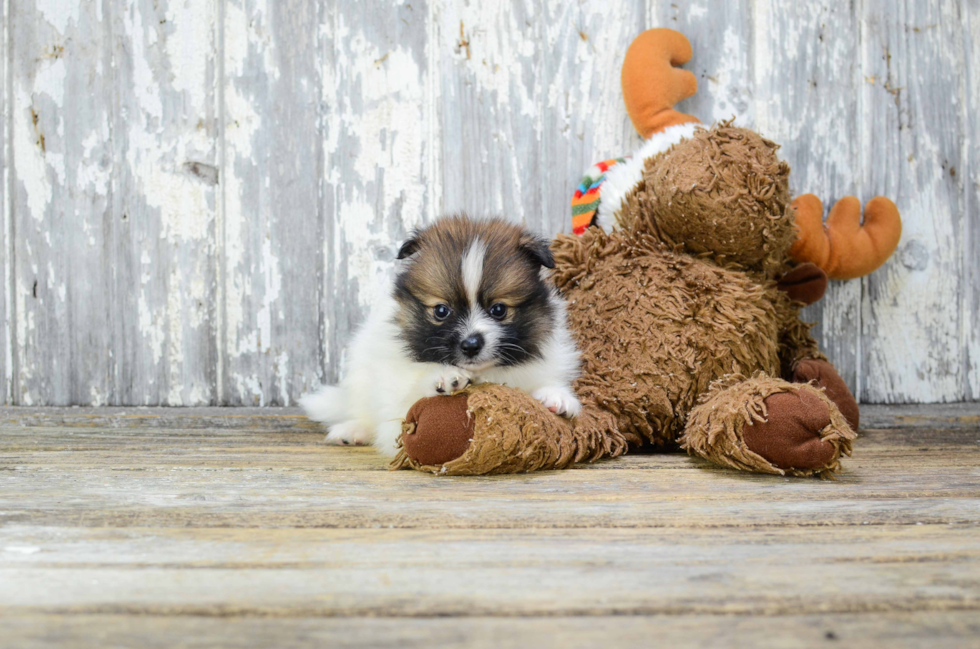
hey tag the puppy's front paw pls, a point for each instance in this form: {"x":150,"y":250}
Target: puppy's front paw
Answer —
{"x":348,"y":433}
{"x":559,"y":400}
{"x":450,"y":379}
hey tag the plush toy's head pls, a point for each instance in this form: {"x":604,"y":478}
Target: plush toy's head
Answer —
{"x":722,"y":193}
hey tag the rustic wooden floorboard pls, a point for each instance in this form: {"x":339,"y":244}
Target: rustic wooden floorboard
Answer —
{"x":208,"y":527}
{"x":929,"y":630}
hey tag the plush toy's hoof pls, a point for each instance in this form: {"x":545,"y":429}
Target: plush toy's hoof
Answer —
{"x":438,"y":429}
{"x":769,"y":425}
{"x":790,"y":437}
{"x":825,"y":376}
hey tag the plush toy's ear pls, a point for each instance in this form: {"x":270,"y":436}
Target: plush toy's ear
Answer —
{"x":538,"y":250}
{"x":410,"y":247}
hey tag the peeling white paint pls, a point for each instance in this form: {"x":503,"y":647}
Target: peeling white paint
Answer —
{"x":7,"y":386}
{"x":731,"y":73}
{"x":90,"y":172}
{"x":175,"y":336}
{"x":242,"y":123}
{"x":96,"y":398}
{"x":145,"y":88}
{"x":283,"y":377}
{"x":58,"y":13}
{"x":32,"y":169}
{"x":150,"y":325}
{"x":270,"y":274}
{"x":970,"y":166}
{"x":189,"y":48}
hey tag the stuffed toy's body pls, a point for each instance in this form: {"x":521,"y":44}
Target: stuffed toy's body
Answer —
{"x":684,"y":290}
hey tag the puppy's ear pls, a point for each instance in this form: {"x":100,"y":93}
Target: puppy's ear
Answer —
{"x":410,"y":247}
{"x":538,"y":250}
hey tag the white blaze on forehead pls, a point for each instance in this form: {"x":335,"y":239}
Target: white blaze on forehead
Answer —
{"x":472,"y":267}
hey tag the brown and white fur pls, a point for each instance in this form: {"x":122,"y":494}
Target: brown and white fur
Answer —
{"x":472,"y":303}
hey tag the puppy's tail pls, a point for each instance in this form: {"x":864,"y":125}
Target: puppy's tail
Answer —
{"x":326,"y":405}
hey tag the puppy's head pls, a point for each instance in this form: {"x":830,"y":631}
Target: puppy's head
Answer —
{"x":472,"y":294}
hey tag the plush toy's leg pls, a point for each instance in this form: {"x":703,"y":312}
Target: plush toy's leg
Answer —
{"x":822,"y":374}
{"x":769,"y":425}
{"x":495,"y":429}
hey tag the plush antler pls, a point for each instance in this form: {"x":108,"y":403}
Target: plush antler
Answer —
{"x":845,"y":248}
{"x":651,"y":83}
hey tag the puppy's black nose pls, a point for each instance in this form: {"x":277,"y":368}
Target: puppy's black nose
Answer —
{"x":472,"y":345}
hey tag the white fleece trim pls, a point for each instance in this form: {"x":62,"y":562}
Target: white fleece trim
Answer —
{"x":622,"y":178}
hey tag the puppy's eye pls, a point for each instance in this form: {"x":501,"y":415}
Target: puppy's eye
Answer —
{"x":498,"y":311}
{"x":441,"y":311}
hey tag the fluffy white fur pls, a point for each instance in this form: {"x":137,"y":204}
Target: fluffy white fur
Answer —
{"x":383,"y":381}
{"x":623,"y":177}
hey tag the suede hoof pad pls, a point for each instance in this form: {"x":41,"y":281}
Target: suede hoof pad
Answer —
{"x":790,"y":436}
{"x":826,"y":377}
{"x":438,"y":429}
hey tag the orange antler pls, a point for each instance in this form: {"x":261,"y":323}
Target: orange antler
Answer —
{"x":845,"y":249}
{"x":651,"y":83}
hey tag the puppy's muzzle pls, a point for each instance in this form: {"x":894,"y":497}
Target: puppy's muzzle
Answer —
{"x":471,"y":346}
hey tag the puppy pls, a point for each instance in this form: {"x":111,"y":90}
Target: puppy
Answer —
{"x":472,"y":302}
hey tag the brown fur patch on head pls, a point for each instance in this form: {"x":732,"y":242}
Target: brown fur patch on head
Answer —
{"x":722,"y":194}
{"x":509,"y":271}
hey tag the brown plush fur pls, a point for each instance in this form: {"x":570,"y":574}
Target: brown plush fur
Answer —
{"x":655,"y":328}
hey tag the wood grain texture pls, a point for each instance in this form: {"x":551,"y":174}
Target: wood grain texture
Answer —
{"x":136,"y":532}
{"x":114,"y":217}
{"x":528,"y":103}
{"x":62,"y":196}
{"x":913,"y":135}
{"x":6,"y":266}
{"x":918,"y":629}
{"x":394,"y":573}
{"x":379,"y":159}
{"x":970,"y":181}
{"x":488,"y":57}
{"x":799,"y":104}
{"x":161,"y":280}
{"x":271,"y":224}
{"x":202,"y":198}
{"x":167,"y":477}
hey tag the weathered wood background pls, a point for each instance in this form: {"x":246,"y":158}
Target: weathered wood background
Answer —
{"x":199,"y":195}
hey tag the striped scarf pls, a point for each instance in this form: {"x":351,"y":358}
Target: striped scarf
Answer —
{"x":585,"y":202}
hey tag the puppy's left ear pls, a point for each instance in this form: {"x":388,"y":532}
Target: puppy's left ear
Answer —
{"x":538,"y":250}
{"x":410,"y":247}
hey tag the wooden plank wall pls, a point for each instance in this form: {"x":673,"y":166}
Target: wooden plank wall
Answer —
{"x":5,"y":248}
{"x":200,"y":197}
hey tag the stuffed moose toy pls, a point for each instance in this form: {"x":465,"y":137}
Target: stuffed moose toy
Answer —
{"x":684,"y":282}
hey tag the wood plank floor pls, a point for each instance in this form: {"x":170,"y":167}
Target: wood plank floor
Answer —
{"x":210,"y":527}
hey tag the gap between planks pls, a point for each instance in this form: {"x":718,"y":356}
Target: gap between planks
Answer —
{"x":873,"y":416}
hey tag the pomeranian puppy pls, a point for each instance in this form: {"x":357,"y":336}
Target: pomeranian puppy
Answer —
{"x":472,"y":302}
